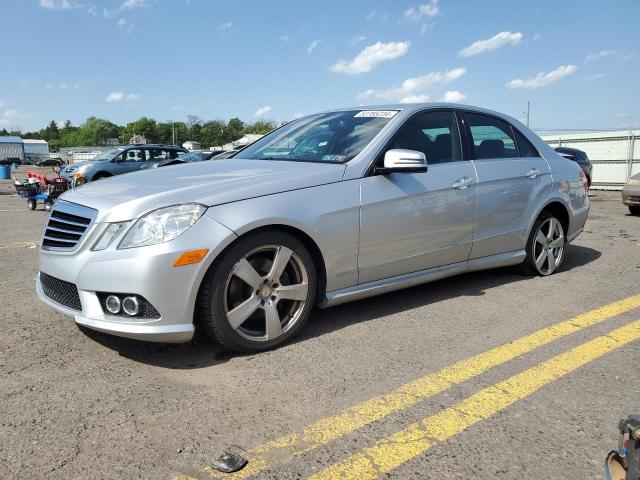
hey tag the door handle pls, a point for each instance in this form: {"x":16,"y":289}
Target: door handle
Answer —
{"x":462,"y":183}
{"x":533,"y":173}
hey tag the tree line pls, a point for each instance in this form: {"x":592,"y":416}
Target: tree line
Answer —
{"x":98,"y":131}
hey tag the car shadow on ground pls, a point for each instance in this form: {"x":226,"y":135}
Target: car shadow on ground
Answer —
{"x":202,"y":353}
{"x":469,"y":284}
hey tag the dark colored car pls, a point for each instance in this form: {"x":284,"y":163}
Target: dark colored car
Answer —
{"x":188,"y":158}
{"x":580,"y":157}
{"x":50,"y":162}
{"x":10,"y":161}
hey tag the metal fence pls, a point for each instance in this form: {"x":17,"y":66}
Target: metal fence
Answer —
{"x":614,"y":155}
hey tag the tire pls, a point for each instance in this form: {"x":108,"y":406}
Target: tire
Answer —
{"x":634,"y":210}
{"x":547,"y":239}
{"x":101,"y":176}
{"x":262,"y":295}
{"x":31,"y":204}
{"x":48,"y":204}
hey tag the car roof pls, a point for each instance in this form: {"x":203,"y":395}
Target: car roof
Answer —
{"x":151,"y":145}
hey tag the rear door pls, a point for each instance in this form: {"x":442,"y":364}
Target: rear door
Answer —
{"x":512,"y":178}
{"x":416,"y":221}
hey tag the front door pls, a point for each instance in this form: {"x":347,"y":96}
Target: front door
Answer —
{"x":416,"y":221}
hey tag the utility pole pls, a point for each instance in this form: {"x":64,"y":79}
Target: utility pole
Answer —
{"x":173,"y":132}
{"x":528,"y":111}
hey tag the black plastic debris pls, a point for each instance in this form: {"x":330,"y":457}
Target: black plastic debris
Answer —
{"x":229,"y":462}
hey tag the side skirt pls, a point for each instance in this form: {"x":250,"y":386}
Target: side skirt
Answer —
{"x":417,"y":278}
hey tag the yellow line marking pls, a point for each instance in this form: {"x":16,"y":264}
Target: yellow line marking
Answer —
{"x":325,"y":430}
{"x":417,"y":438}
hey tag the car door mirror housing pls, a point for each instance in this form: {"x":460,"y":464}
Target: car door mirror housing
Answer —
{"x":403,"y":161}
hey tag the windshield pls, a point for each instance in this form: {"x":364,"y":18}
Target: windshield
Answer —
{"x":107,"y":155}
{"x":192,"y":157}
{"x":333,"y":137}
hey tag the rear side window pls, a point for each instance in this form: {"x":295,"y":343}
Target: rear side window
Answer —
{"x":491,"y":137}
{"x":525,"y":147}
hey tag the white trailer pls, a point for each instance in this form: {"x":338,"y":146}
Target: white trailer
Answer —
{"x":614,"y":154}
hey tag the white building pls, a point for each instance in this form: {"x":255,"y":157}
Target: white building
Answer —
{"x":239,"y":143}
{"x":11,"y":147}
{"x":191,"y":145}
{"x":614,"y":154}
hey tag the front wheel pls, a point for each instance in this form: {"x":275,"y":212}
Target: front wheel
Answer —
{"x":259,"y":293}
{"x":546,"y":246}
{"x":48,"y":205}
{"x":634,"y":210}
{"x":31,"y":204}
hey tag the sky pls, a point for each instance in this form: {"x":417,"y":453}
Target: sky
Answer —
{"x":576,"y":61}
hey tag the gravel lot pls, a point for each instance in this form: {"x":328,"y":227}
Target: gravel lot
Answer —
{"x":77,"y":405}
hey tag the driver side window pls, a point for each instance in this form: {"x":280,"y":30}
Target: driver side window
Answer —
{"x":433,"y":133}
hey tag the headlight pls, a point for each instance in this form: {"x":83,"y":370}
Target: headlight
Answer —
{"x":108,"y":235}
{"x":84,"y":168}
{"x":162,"y":225}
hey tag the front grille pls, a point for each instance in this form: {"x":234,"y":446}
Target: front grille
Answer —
{"x":59,"y":291}
{"x":67,"y":224}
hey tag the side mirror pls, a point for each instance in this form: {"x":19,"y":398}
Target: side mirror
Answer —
{"x":403,"y":161}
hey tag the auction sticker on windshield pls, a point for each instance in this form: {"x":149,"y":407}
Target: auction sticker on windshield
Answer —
{"x":376,"y":114}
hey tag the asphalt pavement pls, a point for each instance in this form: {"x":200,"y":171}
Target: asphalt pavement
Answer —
{"x":486,"y":375}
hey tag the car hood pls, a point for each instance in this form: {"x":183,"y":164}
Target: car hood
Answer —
{"x":129,"y":196}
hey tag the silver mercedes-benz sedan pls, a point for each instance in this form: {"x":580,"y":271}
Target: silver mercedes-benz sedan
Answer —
{"x":329,"y":208}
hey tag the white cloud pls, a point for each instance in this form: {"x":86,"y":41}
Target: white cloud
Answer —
{"x":355,"y":40}
{"x":121,"y":22}
{"x":486,"y":45}
{"x":313,"y":46}
{"x":262,"y":111}
{"x":429,"y":10}
{"x":120,"y":96}
{"x":593,"y":77}
{"x":58,"y":4}
{"x":285,"y":38}
{"x":415,"y":99}
{"x":115,"y":97}
{"x":65,"y":86}
{"x":592,"y":57}
{"x":13,"y":115}
{"x":453,"y":96}
{"x":226,"y":26}
{"x":415,"y":85}
{"x":2,"y":104}
{"x":543,"y":79}
{"x":370,"y":57}
{"x":132,"y":4}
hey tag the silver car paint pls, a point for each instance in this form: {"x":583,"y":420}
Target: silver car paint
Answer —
{"x":374,"y":233}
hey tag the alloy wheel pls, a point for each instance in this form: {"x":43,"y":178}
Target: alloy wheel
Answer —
{"x":266,"y":293}
{"x":548,"y":247}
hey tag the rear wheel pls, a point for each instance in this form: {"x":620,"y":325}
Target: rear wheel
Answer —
{"x":31,"y":204}
{"x":48,"y":204}
{"x":546,"y":246}
{"x":259,"y":293}
{"x":634,"y":210}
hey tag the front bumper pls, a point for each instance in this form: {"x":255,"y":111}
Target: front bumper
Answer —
{"x":145,"y":271}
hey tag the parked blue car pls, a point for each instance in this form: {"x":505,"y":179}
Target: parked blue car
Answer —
{"x":119,"y":160}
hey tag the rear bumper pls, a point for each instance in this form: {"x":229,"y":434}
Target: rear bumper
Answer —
{"x":631,"y":195}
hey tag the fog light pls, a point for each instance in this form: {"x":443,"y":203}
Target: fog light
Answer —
{"x":130,"y":306}
{"x":113,"y":304}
